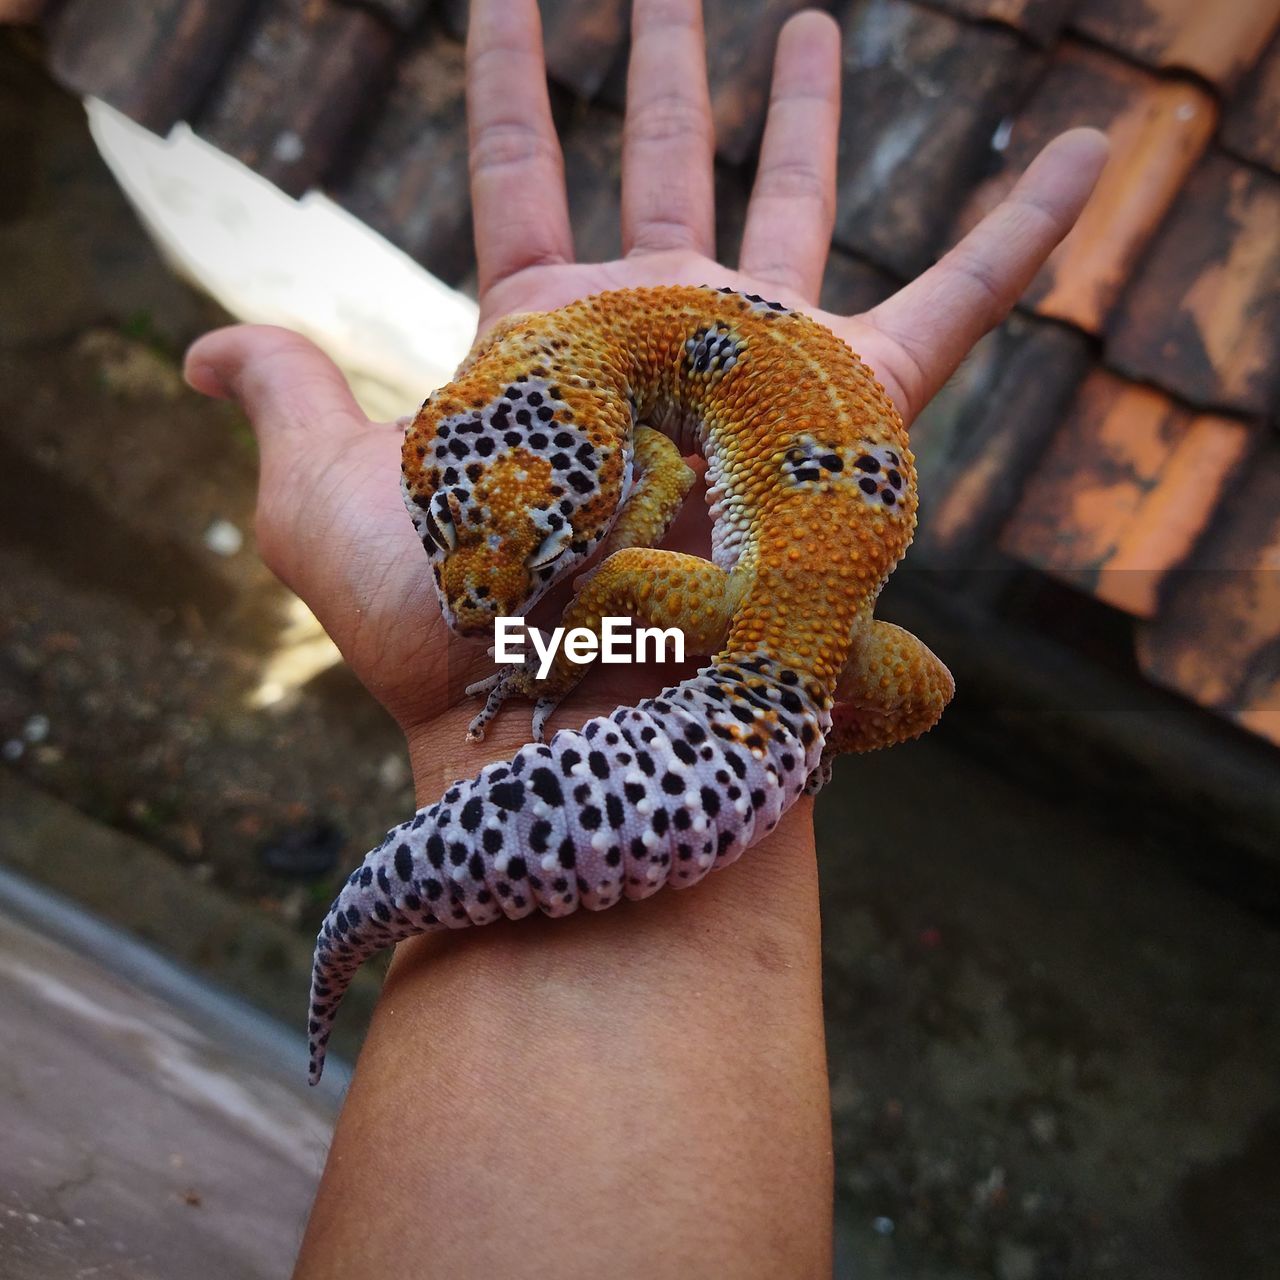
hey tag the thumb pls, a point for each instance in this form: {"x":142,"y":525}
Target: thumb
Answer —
{"x":284,"y":383}
{"x":303,"y":415}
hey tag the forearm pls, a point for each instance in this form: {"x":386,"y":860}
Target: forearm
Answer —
{"x":636,"y":1092}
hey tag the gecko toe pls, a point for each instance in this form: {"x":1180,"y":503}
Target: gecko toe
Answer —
{"x":499,"y":689}
{"x":543,"y":710}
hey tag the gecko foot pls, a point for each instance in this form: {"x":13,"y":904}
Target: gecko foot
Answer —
{"x":821,"y":775}
{"x":543,"y":710}
{"x":498,"y":687}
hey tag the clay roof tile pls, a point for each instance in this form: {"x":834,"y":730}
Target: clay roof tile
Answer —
{"x":1217,"y":639}
{"x":979,"y":438}
{"x":404,"y":15}
{"x":741,"y":37}
{"x":592,"y":142}
{"x":290,"y":99}
{"x":409,"y":176}
{"x":923,"y":93}
{"x":1040,"y":20}
{"x":151,"y":59}
{"x":1219,"y":41}
{"x":1127,"y":486}
{"x":1157,"y":128}
{"x":1202,"y":317}
{"x":1251,"y":127}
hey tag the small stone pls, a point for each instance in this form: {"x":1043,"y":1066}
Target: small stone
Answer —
{"x":13,"y":749}
{"x":130,"y":368}
{"x":393,"y":772}
{"x":223,"y":538}
{"x":1044,"y":1126}
{"x":288,"y":147}
{"x":991,"y":1190}
{"x":882,"y":1226}
{"x":36,"y":729}
{"x":293,"y":904}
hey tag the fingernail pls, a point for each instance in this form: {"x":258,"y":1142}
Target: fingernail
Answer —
{"x":207,"y":380}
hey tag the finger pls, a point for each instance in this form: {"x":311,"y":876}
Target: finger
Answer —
{"x":519,"y":206}
{"x":301,"y":411}
{"x":792,"y":208}
{"x":288,"y":388}
{"x":668,"y":140}
{"x":936,"y":319}
{"x":330,"y":521}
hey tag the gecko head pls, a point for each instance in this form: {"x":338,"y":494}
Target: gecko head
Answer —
{"x":498,"y":539}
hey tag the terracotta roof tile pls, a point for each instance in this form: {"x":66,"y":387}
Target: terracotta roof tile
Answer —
{"x":1217,"y":639}
{"x":1157,"y":129}
{"x":733,"y":190}
{"x":582,"y":38}
{"x":409,"y":179}
{"x":986,"y":429}
{"x":402,"y":14}
{"x":923,"y":93}
{"x":1251,"y":127}
{"x":1202,"y":318}
{"x":592,"y":143}
{"x":1128,"y":484}
{"x":151,"y":59}
{"x":289,"y":101}
{"x":1217,"y":40}
{"x":453,"y":13}
{"x":851,"y":285}
{"x":741,"y":35}
{"x":613,"y":90}
{"x":1136,"y":493}
{"x":1041,"y":20}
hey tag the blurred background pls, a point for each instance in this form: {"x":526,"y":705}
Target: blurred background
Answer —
{"x":1052,"y":996}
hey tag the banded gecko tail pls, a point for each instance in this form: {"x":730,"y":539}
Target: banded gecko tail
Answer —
{"x":660,"y":793}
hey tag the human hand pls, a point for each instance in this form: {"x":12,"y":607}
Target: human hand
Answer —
{"x":641,"y":1091}
{"x":331,"y":521}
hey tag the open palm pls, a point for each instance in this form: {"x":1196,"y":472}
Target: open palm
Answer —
{"x":330,"y":518}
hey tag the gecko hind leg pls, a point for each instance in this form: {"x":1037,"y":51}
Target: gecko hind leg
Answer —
{"x":893,"y":689}
{"x":659,"y":589}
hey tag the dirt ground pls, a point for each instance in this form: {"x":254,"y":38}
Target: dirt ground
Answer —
{"x":1052,"y":1050}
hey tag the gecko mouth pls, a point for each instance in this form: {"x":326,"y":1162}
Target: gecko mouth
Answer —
{"x":473,"y":620}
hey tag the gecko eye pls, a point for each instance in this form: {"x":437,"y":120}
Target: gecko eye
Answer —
{"x":439,"y":521}
{"x":553,"y":546}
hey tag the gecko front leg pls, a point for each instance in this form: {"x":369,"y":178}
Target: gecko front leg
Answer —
{"x":662,"y":483}
{"x":655,"y":588}
{"x":663,"y":479}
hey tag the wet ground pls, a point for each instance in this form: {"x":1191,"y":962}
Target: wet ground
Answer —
{"x":1051,"y":1053}
{"x":217,"y":1181}
{"x":1053,"y":1050}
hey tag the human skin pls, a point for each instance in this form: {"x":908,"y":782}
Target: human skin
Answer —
{"x":641,"y":1092}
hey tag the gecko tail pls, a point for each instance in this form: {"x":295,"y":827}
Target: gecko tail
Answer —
{"x":366,"y":917}
{"x":656,"y":794}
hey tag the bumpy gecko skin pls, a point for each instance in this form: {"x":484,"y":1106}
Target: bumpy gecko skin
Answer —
{"x":564,"y":431}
